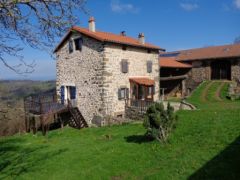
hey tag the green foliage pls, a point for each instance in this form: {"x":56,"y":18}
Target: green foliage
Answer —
{"x":159,"y":122}
{"x":122,"y":152}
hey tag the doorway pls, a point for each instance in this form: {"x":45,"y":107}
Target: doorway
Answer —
{"x":68,"y":93}
{"x":221,"y":70}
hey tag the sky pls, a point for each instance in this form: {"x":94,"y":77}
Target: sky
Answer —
{"x":170,"y":24}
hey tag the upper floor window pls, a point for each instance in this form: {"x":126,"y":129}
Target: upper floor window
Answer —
{"x":78,"y":44}
{"x":124,"y":66}
{"x":70,"y":46}
{"x":149,"y":66}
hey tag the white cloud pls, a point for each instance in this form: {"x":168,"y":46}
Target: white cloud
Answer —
{"x":237,"y":4}
{"x":119,"y":7}
{"x":189,"y":6}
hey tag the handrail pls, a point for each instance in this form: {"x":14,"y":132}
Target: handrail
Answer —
{"x":141,"y":105}
{"x":39,"y":103}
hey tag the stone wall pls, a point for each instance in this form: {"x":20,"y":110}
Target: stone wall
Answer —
{"x":200,"y":71}
{"x":236,"y":70}
{"x":134,"y":114}
{"x":115,"y":79}
{"x":84,"y":70}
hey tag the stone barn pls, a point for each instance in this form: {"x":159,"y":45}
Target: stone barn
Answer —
{"x":173,"y":75}
{"x":101,"y":73}
{"x":210,"y":63}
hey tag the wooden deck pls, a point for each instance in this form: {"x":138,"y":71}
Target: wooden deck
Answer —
{"x":42,"y":104}
{"x":48,"y":110}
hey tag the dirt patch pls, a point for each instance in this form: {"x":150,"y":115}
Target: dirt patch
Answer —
{"x":205,"y":92}
{"x":218,"y":92}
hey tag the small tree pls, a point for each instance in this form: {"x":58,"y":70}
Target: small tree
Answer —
{"x":159,"y":122}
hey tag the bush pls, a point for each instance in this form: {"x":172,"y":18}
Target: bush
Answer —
{"x":159,"y":122}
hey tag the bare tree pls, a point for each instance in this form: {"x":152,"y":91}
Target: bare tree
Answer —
{"x":237,"y":40}
{"x":37,"y":23}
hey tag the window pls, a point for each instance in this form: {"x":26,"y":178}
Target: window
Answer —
{"x":124,"y":66}
{"x":150,"y":90}
{"x":149,"y":66}
{"x":123,"y":93}
{"x":72,"y":90}
{"x":78,"y":44}
{"x":70,"y":46}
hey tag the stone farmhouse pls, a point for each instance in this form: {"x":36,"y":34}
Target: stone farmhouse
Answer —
{"x":183,"y":71}
{"x":102,"y":72}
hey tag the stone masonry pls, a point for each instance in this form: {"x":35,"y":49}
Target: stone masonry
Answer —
{"x":96,"y":73}
{"x":85,"y":71}
{"x":114,"y":78}
{"x":236,"y":70}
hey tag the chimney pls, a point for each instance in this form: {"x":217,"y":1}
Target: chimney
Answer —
{"x":91,"y":24}
{"x":141,"y":38}
{"x":123,"y":33}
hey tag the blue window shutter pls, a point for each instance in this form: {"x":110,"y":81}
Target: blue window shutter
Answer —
{"x":62,"y":94}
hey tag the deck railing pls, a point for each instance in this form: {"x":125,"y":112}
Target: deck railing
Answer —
{"x":141,"y":105}
{"x":41,"y":103}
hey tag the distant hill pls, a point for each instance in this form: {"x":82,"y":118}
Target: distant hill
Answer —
{"x":12,"y":93}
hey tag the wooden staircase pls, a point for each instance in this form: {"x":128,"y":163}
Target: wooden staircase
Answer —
{"x":76,"y":120}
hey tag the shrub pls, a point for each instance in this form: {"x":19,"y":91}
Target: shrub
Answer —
{"x":159,"y":122}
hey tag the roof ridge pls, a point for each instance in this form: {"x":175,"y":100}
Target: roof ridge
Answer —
{"x":214,"y":46}
{"x":110,"y":37}
{"x":111,"y":33}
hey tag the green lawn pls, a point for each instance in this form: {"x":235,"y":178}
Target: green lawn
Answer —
{"x":205,"y":145}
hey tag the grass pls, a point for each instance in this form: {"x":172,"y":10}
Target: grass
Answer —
{"x":205,"y":145}
{"x":174,"y":99}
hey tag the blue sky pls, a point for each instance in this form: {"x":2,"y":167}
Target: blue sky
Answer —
{"x":171,"y":24}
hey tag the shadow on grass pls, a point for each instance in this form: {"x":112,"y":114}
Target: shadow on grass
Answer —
{"x":17,"y":157}
{"x":139,"y":139}
{"x":226,"y":165}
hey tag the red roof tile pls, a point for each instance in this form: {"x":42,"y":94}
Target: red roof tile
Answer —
{"x":143,"y":81}
{"x":171,"y":62}
{"x":214,"y":52}
{"x":109,"y":37}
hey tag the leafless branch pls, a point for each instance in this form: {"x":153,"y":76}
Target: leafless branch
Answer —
{"x":37,"y":23}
